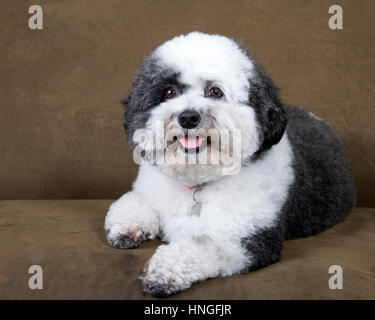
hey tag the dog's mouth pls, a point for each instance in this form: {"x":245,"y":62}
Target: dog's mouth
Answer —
{"x":192,"y":144}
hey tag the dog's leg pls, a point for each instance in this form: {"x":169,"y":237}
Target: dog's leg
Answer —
{"x":129,"y":221}
{"x":176,"y":266}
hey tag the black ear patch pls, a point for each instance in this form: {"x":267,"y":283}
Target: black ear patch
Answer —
{"x":149,"y":85}
{"x":275,"y":127}
{"x":125,"y":102}
{"x":271,"y":116}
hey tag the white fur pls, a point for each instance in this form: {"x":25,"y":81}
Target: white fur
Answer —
{"x":202,"y":57}
{"x":129,"y":212}
{"x":207,"y":245}
{"x":233,"y":206}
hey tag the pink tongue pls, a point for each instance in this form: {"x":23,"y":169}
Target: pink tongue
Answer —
{"x":190,"y":142}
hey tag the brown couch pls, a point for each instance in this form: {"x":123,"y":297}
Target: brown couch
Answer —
{"x":61,"y":137}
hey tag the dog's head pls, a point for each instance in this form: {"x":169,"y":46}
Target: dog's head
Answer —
{"x":194,"y":88}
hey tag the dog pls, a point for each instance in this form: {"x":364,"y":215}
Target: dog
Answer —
{"x":294,"y":177}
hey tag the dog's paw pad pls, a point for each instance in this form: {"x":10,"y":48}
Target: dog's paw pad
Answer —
{"x":125,"y":242}
{"x":159,"y":290}
{"x":135,"y":233}
{"x":132,"y":238}
{"x":156,"y":283}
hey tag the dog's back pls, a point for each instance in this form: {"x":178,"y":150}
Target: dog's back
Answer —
{"x":323,"y":192}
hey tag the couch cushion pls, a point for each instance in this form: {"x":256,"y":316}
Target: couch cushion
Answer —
{"x":66,"y":238}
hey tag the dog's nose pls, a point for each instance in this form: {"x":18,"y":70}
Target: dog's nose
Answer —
{"x":189,"y":119}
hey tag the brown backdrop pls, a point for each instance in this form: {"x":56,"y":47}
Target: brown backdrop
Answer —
{"x":61,"y":132}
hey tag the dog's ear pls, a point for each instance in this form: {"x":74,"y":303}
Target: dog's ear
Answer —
{"x":125,"y":103}
{"x":264,"y":98}
{"x":127,"y":118}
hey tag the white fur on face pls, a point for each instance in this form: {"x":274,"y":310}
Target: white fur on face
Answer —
{"x":200,"y":59}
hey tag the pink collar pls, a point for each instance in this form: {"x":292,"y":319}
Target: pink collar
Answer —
{"x":190,"y":188}
{"x":195,"y":190}
{"x":198,"y":187}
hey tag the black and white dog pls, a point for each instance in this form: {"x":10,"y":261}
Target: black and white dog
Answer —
{"x":294,"y":178}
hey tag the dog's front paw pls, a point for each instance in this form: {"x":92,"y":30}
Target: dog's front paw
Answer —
{"x":163,"y":275}
{"x":159,"y":283}
{"x":130,"y":221}
{"x":129,"y":238}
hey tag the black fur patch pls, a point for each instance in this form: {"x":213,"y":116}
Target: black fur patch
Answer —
{"x":323,"y":192}
{"x":263,"y":247}
{"x":264,"y":98}
{"x":271,"y":116}
{"x":148,"y":90}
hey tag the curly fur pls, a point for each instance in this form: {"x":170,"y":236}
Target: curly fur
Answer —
{"x":295,"y":178}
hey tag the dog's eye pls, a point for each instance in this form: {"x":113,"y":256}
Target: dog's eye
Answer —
{"x":170,"y":93}
{"x":215,"y":93}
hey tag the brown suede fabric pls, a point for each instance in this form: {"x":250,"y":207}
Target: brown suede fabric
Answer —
{"x":67,"y":239}
{"x":61,"y":130}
